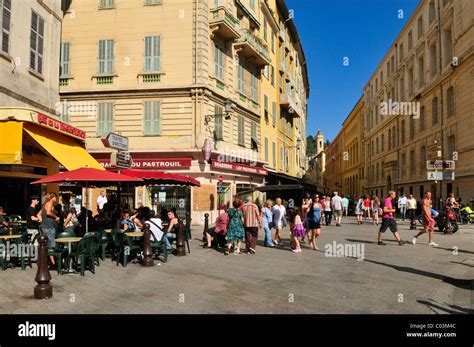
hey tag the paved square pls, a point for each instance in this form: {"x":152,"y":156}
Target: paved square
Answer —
{"x":390,"y":279}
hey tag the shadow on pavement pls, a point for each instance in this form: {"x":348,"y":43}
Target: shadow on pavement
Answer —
{"x":460,"y":283}
{"x":455,"y":309}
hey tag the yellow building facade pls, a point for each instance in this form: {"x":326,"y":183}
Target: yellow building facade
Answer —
{"x":192,"y":84}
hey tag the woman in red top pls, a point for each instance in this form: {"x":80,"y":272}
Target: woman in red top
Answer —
{"x":367,"y":206}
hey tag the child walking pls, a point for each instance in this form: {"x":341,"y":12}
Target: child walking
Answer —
{"x":298,"y":230}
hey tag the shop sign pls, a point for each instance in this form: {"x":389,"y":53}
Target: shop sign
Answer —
{"x":60,"y":126}
{"x":153,"y":164}
{"x":239,"y":168}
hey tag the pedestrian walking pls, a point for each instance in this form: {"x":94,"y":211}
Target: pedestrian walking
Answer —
{"x":366,"y":207}
{"x":345,"y":206}
{"x":48,"y":223}
{"x":327,"y":210}
{"x":279,"y":219}
{"x":375,"y":206}
{"x":235,"y":230}
{"x":251,"y":224}
{"x":428,"y":221}
{"x":297,"y":230}
{"x":315,"y":213}
{"x":359,"y":209}
{"x":402,"y":205}
{"x":388,"y":219}
{"x":32,"y":219}
{"x":337,"y":208}
{"x":267,"y":223}
{"x":411,"y":207}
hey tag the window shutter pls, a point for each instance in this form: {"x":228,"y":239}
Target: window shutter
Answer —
{"x":65,"y":59}
{"x":274,"y":111}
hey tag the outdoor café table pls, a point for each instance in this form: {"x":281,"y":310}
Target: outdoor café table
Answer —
{"x":69,"y":241}
{"x":9,"y":237}
{"x":108,"y":231}
{"x":135,"y":234}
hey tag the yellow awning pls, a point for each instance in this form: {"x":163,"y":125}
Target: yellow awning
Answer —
{"x":10,"y":142}
{"x":62,"y":148}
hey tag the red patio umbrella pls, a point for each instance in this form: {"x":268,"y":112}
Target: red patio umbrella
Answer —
{"x":88,"y":177}
{"x":162,"y":177}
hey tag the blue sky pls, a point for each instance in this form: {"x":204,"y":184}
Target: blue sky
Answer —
{"x":330,"y":30}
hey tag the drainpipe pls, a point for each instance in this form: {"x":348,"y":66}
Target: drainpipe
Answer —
{"x":440,"y":60}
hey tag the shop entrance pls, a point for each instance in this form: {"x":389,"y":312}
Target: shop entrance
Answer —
{"x":15,"y":194}
{"x":169,"y":197}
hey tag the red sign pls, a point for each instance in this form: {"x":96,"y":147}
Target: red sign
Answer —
{"x":239,"y":168}
{"x":65,"y":128}
{"x":153,"y":164}
{"x":220,"y":178}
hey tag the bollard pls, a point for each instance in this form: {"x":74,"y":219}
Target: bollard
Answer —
{"x":206,"y":227}
{"x":180,"y":249}
{"x":43,"y":289}
{"x":147,"y":251}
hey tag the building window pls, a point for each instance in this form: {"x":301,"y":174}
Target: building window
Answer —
{"x":107,"y":4}
{"x":403,"y":132}
{"x":106,"y":57}
{"x":240,"y":78}
{"x":412,"y":128}
{"x":410,"y":82}
{"x":412,"y":162}
{"x":252,"y":4}
{"x":36,"y":42}
{"x":152,"y":53}
{"x":450,"y":102}
{"x":253,"y":136}
{"x":265,"y":29}
{"x":105,"y":119}
{"x":218,"y":124}
{"x":420,"y":27}
{"x":448,"y":46}
{"x":422,"y":118}
{"x":422,"y":156}
{"x":410,"y":41}
{"x":274,"y":157}
{"x":152,"y":118}
{"x":65,"y":62}
{"x":272,"y":40}
{"x":432,"y":12}
{"x":434,"y":111}
{"x":5,"y":16}
{"x":272,"y":75}
{"x":402,"y":89}
{"x":153,"y":2}
{"x":282,"y":159}
{"x":383,"y":143}
{"x":421,"y":71}
{"x":266,"y":149}
{"x":451,"y":145}
{"x":433,"y":62}
{"x":265,"y":107}
{"x":240,"y":131}
{"x":400,"y":52}
{"x":219,"y":63}
{"x":376,"y":149}
{"x":274,"y":114}
{"x":253,"y":86}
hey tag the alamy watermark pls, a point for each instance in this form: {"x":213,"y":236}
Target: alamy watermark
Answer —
{"x":400,"y":108}
{"x":15,"y":250}
{"x":350,"y":250}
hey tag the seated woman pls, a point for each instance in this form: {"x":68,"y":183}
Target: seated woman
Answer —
{"x":217,"y":234}
{"x":126,"y":224}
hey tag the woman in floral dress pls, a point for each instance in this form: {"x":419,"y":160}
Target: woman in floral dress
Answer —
{"x":235,"y":229}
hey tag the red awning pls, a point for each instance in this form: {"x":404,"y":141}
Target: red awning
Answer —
{"x":161,"y":177}
{"x":89,"y":176}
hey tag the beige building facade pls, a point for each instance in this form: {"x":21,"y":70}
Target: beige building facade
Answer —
{"x":186,"y":82}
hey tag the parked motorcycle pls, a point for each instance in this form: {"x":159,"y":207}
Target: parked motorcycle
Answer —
{"x":467,"y":215}
{"x":441,"y":219}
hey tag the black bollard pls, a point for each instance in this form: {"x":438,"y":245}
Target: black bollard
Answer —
{"x":147,"y":250}
{"x":180,"y":248}
{"x":43,"y":289}
{"x":206,"y":227}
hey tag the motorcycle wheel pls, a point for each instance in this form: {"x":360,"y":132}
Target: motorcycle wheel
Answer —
{"x":454,"y":227}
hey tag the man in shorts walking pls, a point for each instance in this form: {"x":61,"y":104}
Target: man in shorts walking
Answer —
{"x":388,"y":220}
{"x":337,"y":208}
{"x":428,"y":221}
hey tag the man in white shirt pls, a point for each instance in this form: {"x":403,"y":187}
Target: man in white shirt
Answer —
{"x":411,"y":206}
{"x":101,"y":200}
{"x":402,"y":205}
{"x":279,"y":212}
{"x":337,"y":208}
{"x":156,"y":228}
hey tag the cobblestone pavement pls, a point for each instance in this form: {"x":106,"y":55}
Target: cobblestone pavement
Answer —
{"x":389,"y":279}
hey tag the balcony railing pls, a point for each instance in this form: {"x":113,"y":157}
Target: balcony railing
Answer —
{"x":223,"y":23}
{"x":288,"y":102}
{"x":254,"y":47}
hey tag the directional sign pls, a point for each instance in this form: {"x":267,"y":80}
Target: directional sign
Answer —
{"x":440,"y":176}
{"x":121,"y":160}
{"x":116,"y":141}
{"x":440,"y":164}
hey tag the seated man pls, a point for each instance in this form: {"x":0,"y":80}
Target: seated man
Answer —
{"x":3,"y":222}
{"x":156,"y":228}
{"x":216,"y":236}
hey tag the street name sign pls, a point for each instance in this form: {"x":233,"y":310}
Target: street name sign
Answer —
{"x":116,"y":141}
{"x":440,"y":165}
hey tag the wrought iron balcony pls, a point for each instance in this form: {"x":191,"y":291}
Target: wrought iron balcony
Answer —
{"x":252,"y":47}
{"x":288,"y":102}
{"x":224,"y":24}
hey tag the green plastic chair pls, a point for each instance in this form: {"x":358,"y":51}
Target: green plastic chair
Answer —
{"x":85,"y":253}
{"x":24,"y":259}
{"x":126,"y":248}
{"x":159,"y":247}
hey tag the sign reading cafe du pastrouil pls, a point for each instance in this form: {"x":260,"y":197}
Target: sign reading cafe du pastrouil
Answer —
{"x":154,"y":164}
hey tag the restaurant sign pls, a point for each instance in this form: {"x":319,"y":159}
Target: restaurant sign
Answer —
{"x":239,"y":168}
{"x":60,"y":126}
{"x":153,"y":164}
